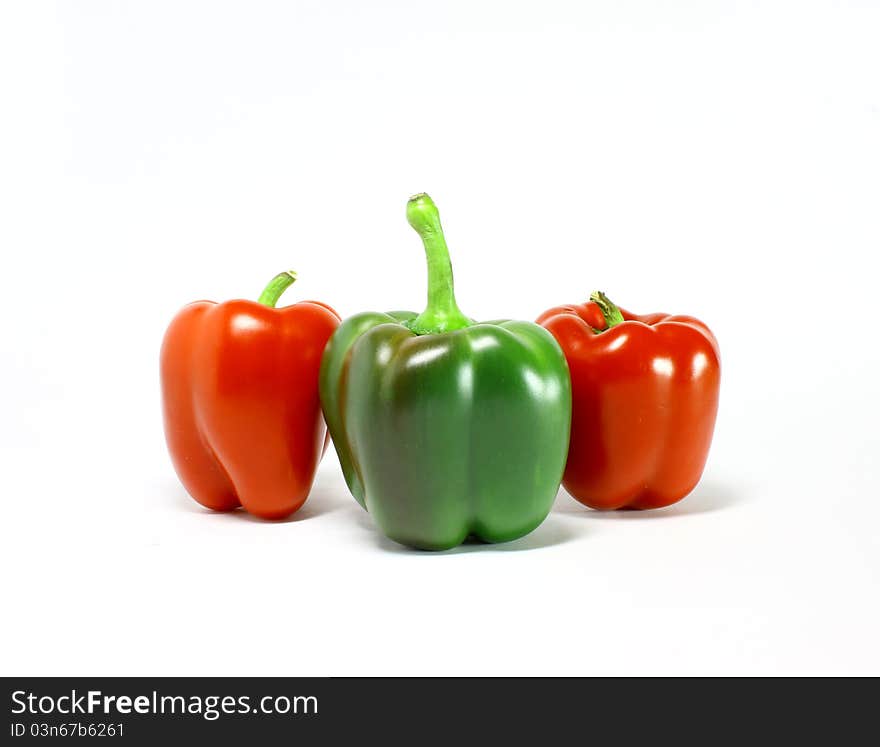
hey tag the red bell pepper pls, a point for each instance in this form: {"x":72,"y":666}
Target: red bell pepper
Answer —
{"x":644,"y":400}
{"x":243,"y":420}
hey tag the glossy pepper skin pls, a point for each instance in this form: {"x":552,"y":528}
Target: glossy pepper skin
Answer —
{"x":446,"y":428}
{"x":242,"y":415}
{"x":645,"y":395}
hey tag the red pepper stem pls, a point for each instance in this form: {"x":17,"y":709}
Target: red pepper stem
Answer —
{"x":277,"y":285}
{"x":610,"y":312}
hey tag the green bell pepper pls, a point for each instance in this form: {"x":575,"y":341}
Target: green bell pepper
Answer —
{"x":447,"y":428}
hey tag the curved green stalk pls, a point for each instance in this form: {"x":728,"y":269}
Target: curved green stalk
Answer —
{"x":612,"y":314}
{"x":442,"y":313}
{"x":277,"y":285}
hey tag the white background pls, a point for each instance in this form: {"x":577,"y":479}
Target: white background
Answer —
{"x":717,"y":159}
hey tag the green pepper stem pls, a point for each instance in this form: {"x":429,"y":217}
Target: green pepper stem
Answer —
{"x":612,"y":314}
{"x":277,"y":285}
{"x":442,"y":313}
